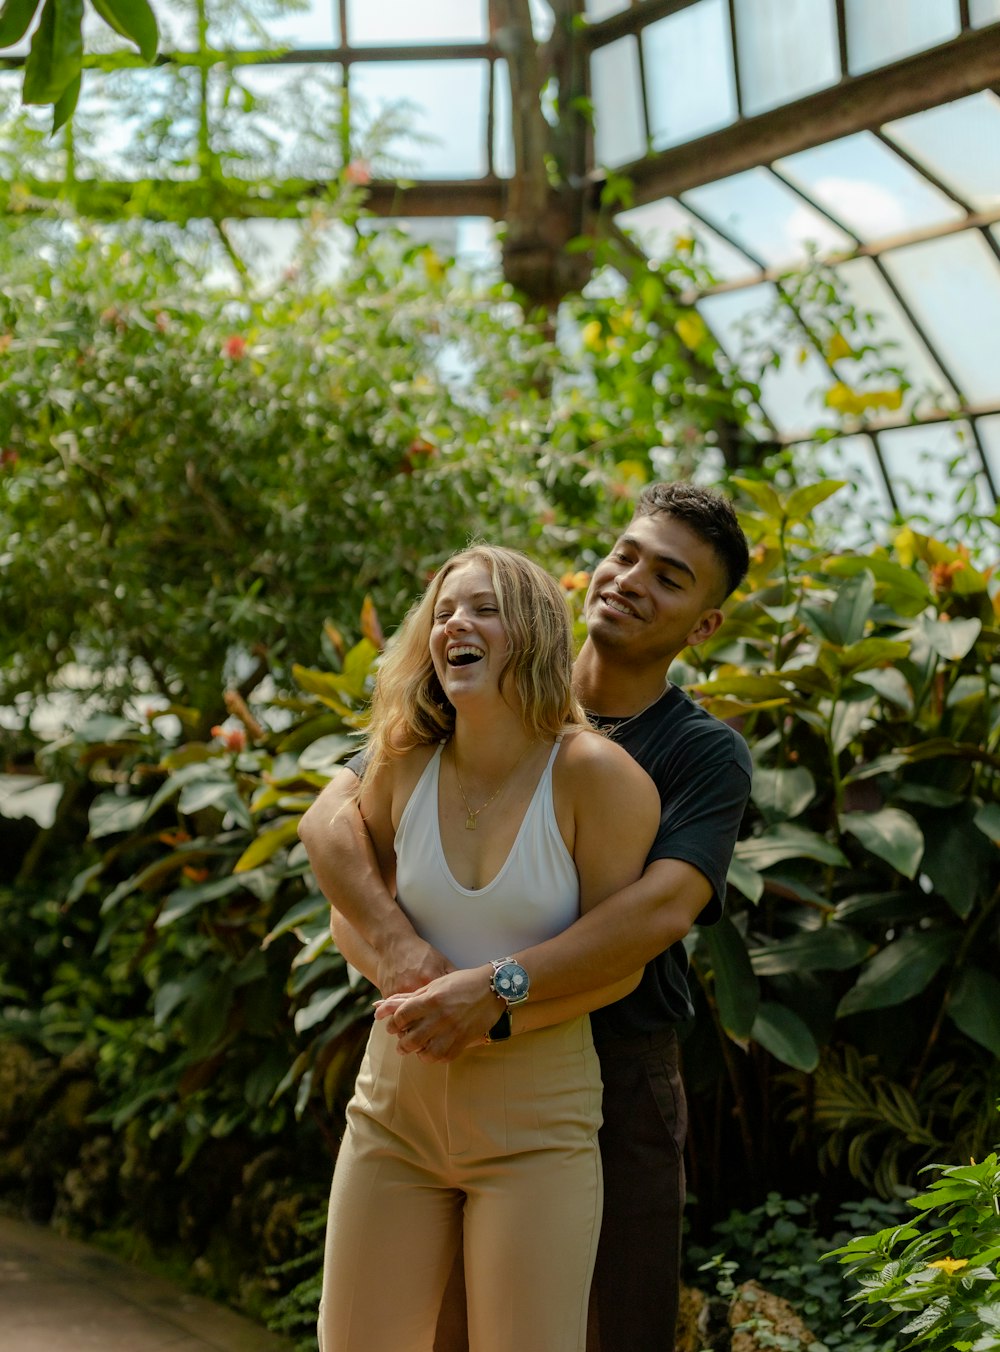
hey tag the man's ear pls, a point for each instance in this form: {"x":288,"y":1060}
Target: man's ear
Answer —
{"x":706,"y":625}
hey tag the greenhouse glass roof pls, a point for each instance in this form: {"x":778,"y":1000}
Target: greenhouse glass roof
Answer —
{"x":866,"y":136}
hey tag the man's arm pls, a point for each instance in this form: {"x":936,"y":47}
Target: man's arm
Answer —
{"x":349,"y":875}
{"x":608,"y":944}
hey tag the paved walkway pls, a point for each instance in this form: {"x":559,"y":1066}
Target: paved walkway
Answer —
{"x":60,"y":1296}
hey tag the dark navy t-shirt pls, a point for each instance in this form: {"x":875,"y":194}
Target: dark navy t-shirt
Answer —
{"x":702,"y":769}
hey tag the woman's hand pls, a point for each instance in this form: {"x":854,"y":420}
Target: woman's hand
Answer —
{"x":445,"y":1017}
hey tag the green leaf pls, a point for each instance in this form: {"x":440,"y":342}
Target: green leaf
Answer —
{"x":901,"y":970}
{"x":56,"y":53}
{"x":15,"y":20}
{"x":952,"y":639}
{"x":134,"y":20}
{"x":787,"y":841}
{"x":783,"y":1033}
{"x":890,"y":684}
{"x":900,"y":582}
{"x":737,"y":994}
{"x":186,"y":899}
{"x":307,"y":909}
{"x":784,"y":793}
{"x":327,"y":752}
{"x":831,"y":948}
{"x":871,"y":652}
{"x":65,"y":105}
{"x":321,"y":1003}
{"x":218,"y":793}
{"x":110,"y":814}
{"x":800,"y":503}
{"x":891,"y":834}
{"x":268,"y":843}
{"x":745,"y":880}
{"x":975,"y":1007}
{"x":988,"y":821}
{"x":852,"y":607}
{"x":849,"y":717}
{"x":763,"y":495}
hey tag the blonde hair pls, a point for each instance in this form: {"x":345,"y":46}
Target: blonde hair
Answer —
{"x":409,"y":707}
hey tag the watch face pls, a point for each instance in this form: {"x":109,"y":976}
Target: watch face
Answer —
{"x":510,"y":981}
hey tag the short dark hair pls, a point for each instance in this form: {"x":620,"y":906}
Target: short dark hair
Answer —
{"x":710,"y":515}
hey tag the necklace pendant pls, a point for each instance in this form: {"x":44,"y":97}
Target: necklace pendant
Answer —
{"x":470,"y":822}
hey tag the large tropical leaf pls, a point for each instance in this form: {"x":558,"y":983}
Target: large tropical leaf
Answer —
{"x":901,"y":970}
{"x":783,"y":793}
{"x":830,"y":948}
{"x":891,"y":834}
{"x":786,"y":1036}
{"x":787,"y":841}
{"x":975,"y":1007}
{"x":737,"y":994}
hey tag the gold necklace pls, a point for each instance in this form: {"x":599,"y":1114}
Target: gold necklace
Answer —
{"x":470,"y":819}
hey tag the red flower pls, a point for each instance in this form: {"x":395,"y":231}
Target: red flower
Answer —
{"x":233,"y":739}
{"x":359,"y":173}
{"x":235,"y":347}
{"x":9,"y":458}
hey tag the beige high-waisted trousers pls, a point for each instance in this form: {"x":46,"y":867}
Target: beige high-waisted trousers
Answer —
{"x":496,"y":1150}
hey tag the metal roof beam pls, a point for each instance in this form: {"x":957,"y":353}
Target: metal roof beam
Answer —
{"x":967,"y":65}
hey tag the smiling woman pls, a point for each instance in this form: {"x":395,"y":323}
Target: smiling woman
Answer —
{"x":486,"y":797}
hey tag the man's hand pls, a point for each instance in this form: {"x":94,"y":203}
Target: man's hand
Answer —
{"x":408,"y":963}
{"x":445,"y":1017}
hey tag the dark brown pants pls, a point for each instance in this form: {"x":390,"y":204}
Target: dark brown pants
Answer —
{"x":637,"y":1279}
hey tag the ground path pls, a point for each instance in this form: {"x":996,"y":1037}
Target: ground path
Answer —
{"x":60,"y":1296}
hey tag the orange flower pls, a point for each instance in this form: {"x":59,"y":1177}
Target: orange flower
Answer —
{"x":943,"y":574}
{"x":359,"y":173}
{"x":174,"y":837}
{"x":575,"y":581}
{"x":233,"y":739}
{"x":195,"y":875}
{"x":235,"y":347}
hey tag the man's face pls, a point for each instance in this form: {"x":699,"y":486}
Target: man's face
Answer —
{"x":656,"y":592}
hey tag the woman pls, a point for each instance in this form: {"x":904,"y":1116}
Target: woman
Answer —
{"x":499,"y":815}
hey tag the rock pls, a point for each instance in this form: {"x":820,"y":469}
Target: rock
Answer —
{"x":756,"y":1310}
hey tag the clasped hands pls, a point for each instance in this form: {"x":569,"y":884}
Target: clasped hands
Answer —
{"x":441,"y":1019}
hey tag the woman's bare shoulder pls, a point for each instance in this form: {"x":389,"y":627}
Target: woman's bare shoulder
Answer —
{"x":591,"y":754}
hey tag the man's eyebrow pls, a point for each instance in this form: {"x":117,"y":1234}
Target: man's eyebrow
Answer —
{"x":663,"y":560}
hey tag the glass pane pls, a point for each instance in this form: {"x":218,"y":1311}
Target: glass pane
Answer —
{"x":130,"y":123}
{"x":935,"y":473}
{"x":435,"y":111}
{"x":401,"y":21}
{"x":762,"y":215}
{"x":787,"y":48}
{"x":316,"y":24}
{"x":960,"y":143}
{"x":503,"y":131}
{"x":620,"y":130}
{"x":952,"y":286}
{"x":302,"y":23}
{"x":792,"y":396}
{"x":868,"y":290}
{"x":259,"y":123}
{"x":982,"y":12}
{"x":872,"y":191}
{"x":596,"y":10}
{"x":658,"y":225}
{"x":879,"y":34}
{"x":857,"y":509}
{"x":989,"y":435}
{"x":689,"y":74}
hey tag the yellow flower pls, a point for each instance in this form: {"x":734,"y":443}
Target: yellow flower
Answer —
{"x":591,"y":335}
{"x":950,"y":1265}
{"x":691,"y":330}
{"x":838,"y":347}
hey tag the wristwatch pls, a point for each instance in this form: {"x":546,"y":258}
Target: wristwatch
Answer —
{"x":509,"y":980}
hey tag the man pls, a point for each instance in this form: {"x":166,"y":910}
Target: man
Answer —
{"x":656,"y":593}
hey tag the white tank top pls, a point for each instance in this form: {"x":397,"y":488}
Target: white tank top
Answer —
{"x":535,"y":895}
